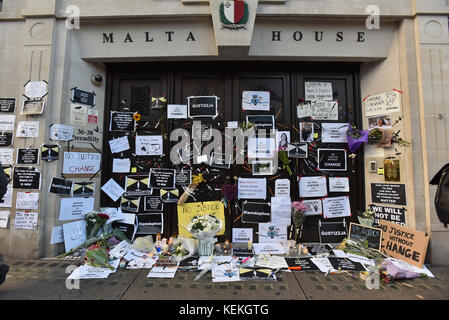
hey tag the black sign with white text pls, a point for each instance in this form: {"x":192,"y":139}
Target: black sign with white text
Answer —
{"x":332,"y":232}
{"x":7,"y":104}
{"x":49,"y":152}
{"x":388,"y":194}
{"x":26,"y":178}
{"x":396,"y":215}
{"x":122,"y":121}
{"x":256,"y":212}
{"x":151,"y":223}
{"x":183,"y":177}
{"x":6,"y":139}
{"x":83,"y":97}
{"x":61,"y":186}
{"x":152,"y":203}
{"x":162,"y":178}
{"x":28,"y":156}
{"x":205,"y":107}
{"x":332,"y":159}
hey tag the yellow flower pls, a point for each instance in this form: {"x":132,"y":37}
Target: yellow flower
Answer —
{"x":137,"y":117}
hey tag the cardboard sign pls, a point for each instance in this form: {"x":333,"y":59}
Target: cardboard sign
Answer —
{"x":256,"y":212}
{"x":202,"y":106}
{"x":26,"y":178}
{"x":256,"y":101}
{"x":122,"y":121}
{"x":6,"y":139}
{"x":137,"y":185}
{"x":152,"y":203}
{"x":395,"y":215}
{"x":332,"y":159}
{"x":27,"y":156}
{"x":261,"y":122}
{"x":83,"y":97}
{"x":162,"y":178}
{"x":150,"y":223}
{"x":388,"y":194}
{"x":61,"y":186}
{"x":251,"y":188}
{"x":403,"y":243}
{"x":187,"y":211}
{"x":81,"y":163}
{"x":389,"y":102}
{"x":7,"y":104}
{"x":372,"y":236}
{"x":332,"y":232}
{"x":49,"y":152}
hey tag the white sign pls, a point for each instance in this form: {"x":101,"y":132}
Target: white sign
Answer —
{"x":233,"y":125}
{"x":121,"y":165}
{"x":334,"y":132}
{"x":389,"y":102}
{"x":113,"y":189}
{"x":149,"y":146}
{"x":324,"y":110}
{"x":268,"y":248}
{"x":250,"y":188}
{"x":312,"y":187}
{"x":256,"y":101}
{"x":35,"y":89}
{"x":242,"y":235}
{"x":282,"y":188}
{"x":269,"y":232}
{"x":281,"y":211}
{"x":337,"y":207}
{"x":7,"y":123}
{"x":315,"y":91}
{"x":27,"y":129}
{"x":338,"y":184}
{"x":4,"y":217}
{"x":119,"y":145}
{"x":27,"y":201}
{"x":314,"y":207}
{"x":176,"y":111}
{"x":261,"y":147}
{"x":57,"y":235}
{"x":7,"y":156}
{"x":74,"y":234}
{"x":89,"y":272}
{"x":61,"y":132}
{"x":162,"y":272}
{"x":81,"y":163}
{"x":304,"y":110}
{"x":75,"y":208}
{"x":26,"y":220}
{"x":323,"y":264}
{"x":78,"y":114}
{"x":6,"y":202}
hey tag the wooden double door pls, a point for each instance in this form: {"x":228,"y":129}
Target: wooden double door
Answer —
{"x":131,"y":87}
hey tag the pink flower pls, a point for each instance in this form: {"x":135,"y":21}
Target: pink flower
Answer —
{"x":299,"y":206}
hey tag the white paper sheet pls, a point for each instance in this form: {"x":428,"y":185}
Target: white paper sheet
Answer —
{"x":74,"y":234}
{"x":261,"y":148}
{"x":338,"y":184}
{"x":282,"y":188}
{"x":119,"y":145}
{"x":281,"y":210}
{"x":270,"y":232}
{"x":113,"y":189}
{"x":389,"y":102}
{"x":78,"y":115}
{"x":121,"y":165}
{"x":4,"y":217}
{"x":256,"y":100}
{"x":268,"y":248}
{"x":407,"y":266}
{"x":318,"y":91}
{"x":61,"y":132}
{"x":242,"y":235}
{"x":225,"y":273}
{"x":304,"y":110}
{"x":120,"y":250}
{"x":313,"y":187}
{"x":176,"y":111}
{"x":324,"y":110}
{"x":323,"y":264}
{"x":251,"y":188}
{"x":272,"y":262}
{"x":6,"y":202}
{"x":315,"y":207}
{"x":26,"y":220}
{"x":75,"y":208}
{"x":27,"y":129}
{"x":57,"y":235}
{"x":334,"y":132}
{"x":35,"y":89}
{"x":336,"y":207}
{"x":114,"y":214}
{"x":89,"y":272}
{"x":7,"y":156}
{"x":149,"y":146}
{"x":7,"y":122}
{"x":163,"y":272}
{"x":27,"y":200}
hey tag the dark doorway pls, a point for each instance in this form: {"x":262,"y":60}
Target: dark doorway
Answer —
{"x":130,"y":88}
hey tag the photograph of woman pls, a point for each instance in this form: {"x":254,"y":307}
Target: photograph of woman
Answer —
{"x":283,"y":139}
{"x":306,"y":129}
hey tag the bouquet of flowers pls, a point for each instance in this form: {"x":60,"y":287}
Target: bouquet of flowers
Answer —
{"x":298,"y":210}
{"x":204,"y":226}
{"x":366,"y":217}
{"x":356,"y":138}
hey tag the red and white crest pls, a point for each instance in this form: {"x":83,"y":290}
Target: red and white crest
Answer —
{"x":234,"y":10}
